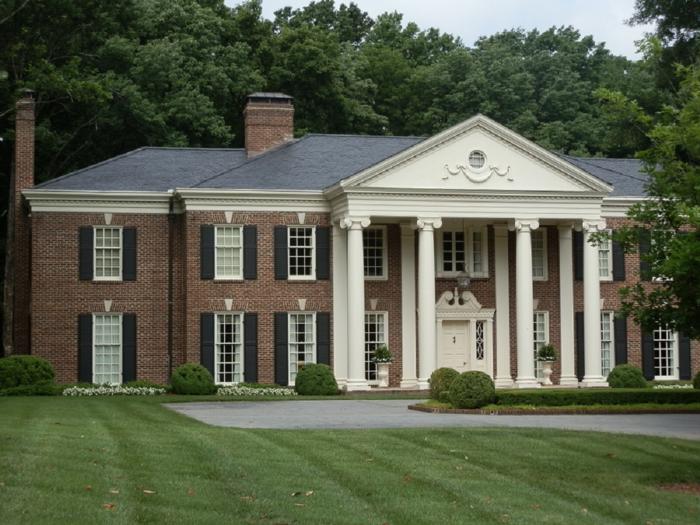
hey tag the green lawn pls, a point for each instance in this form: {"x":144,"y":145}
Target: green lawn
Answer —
{"x":128,"y":460}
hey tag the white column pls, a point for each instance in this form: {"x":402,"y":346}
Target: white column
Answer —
{"x":356,"y":303}
{"x":566,"y":306}
{"x":500,"y":244}
{"x":340,"y":305}
{"x":591,"y":306}
{"x":409,"y":379}
{"x":524,"y":303}
{"x":427,"y":352}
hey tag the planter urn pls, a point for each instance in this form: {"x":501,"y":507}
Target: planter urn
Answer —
{"x":547,"y":373}
{"x":383,"y":374}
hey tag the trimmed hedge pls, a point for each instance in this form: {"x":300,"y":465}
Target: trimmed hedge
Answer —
{"x":315,"y":380}
{"x":40,"y":389}
{"x":593,"y":396}
{"x":626,"y":376}
{"x":24,"y":370}
{"x":471,"y":390}
{"x":440,"y":381}
{"x":192,"y":379}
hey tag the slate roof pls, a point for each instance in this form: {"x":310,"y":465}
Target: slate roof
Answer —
{"x":313,"y":162}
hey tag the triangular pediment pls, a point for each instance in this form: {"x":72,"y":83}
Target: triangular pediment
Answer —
{"x":478,"y":154}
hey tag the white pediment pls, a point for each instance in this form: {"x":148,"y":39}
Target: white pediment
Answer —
{"x":502,"y":161}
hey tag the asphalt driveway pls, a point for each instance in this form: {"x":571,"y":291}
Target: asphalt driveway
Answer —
{"x":394,"y":414}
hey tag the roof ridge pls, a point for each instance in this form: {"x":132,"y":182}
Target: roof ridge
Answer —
{"x":360,"y":135}
{"x":185,"y":148}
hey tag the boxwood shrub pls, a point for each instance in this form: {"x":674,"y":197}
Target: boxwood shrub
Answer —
{"x":440,"y":382}
{"x":192,"y":379}
{"x":594,"y":396}
{"x":626,"y":376}
{"x":315,"y":380}
{"x":24,"y":370}
{"x":471,"y":390}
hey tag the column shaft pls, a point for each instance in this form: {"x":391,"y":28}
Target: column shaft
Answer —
{"x":409,"y":379}
{"x":427,"y":352}
{"x":524,"y":304}
{"x":566,"y":306}
{"x":503,"y":375}
{"x":591,"y":307}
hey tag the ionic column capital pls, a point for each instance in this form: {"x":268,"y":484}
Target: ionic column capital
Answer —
{"x":593,"y":226}
{"x":524,"y":225}
{"x":351,"y":222}
{"x":428,"y":223}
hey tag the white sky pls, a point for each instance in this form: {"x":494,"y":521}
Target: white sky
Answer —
{"x":470,"y":19}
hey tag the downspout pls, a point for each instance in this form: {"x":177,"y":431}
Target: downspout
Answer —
{"x":171,"y":251}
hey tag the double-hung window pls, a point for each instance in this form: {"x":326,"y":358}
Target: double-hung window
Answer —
{"x":607,"y":342}
{"x":300,"y":252}
{"x":107,"y":348}
{"x":108,"y":253}
{"x":375,"y":253}
{"x":302,"y":341}
{"x":605,"y":258}
{"x":540,"y":337}
{"x":228,"y":244}
{"x":539,"y":254}
{"x":228,"y":348}
{"x":665,"y":353}
{"x":464,"y":250}
{"x":375,"y":336}
{"x":453,"y":252}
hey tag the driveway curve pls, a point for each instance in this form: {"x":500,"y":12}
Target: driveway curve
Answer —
{"x":364,"y":414}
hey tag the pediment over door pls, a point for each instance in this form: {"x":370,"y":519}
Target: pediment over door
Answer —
{"x":455,"y":305}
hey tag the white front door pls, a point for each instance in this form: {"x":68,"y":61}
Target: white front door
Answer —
{"x":454,"y":345}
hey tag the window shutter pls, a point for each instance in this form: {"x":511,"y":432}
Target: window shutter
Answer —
{"x":281,"y":349}
{"x":644,"y":246}
{"x":207,"y":342}
{"x":580,"y":346}
{"x":578,"y":255}
{"x":250,"y":252}
{"x":323,"y":252}
{"x":129,"y":254}
{"x":250,"y":350}
{"x":86,"y":245}
{"x":683,"y":356}
{"x":323,"y":338}
{"x":620,"y":340}
{"x":618,"y":261}
{"x":648,"y":355}
{"x":281,"y":253}
{"x":206,"y":256}
{"x":128,"y":347}
{"x":85,"y":348}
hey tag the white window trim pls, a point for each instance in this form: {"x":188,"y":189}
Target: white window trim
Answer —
{"x":121,"y":344}
{"x":94,"y":253}
{"x":311,"y":277}
{"x":611,"y":313}
{"x":385,"y":259}
{"x":468,"y":252}
{"x":676,"y":355}
{"x":540,"y":377}
{"x":290,"y":382}
{"x":545,"y":255}
{"x":608,"y":277}
{"x":216,"y":352}
{"x":386,"y":334}
{"x":218,"y":277}
{"x":484,"y":230}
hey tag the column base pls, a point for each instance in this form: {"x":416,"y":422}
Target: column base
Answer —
{"x":342,"y":383}
{"x":571,"y":381}
{"x":503,"y":382}
{"x":527,"y":382}
{"x":594,"y":382}
{"x":410,"y":384}
{"x":354,"y":385}
{"x":423,"y":384}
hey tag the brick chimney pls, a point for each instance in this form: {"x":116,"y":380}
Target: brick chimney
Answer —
{"x":269,"y":121}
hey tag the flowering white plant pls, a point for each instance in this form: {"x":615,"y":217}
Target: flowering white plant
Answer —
{"x":112,"y":390}
{"x":673,"y":387}
{"x":239,"y":390}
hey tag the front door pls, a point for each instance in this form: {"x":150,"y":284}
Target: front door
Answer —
{"x":454,"y":345}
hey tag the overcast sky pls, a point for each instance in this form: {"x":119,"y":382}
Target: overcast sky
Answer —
{"x":470,"y":19}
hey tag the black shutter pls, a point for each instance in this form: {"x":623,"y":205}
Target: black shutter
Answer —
{"x":128,"y":347}
{"x":281,"y":253}
{"x":323,"y":338}
{"x":580,"y":346}
{"x":85,"y":348}
{"x":618,"y":261}
{"x":648,"y":355}
{"x":620,"y":340}
{"x":684,"y":356}
{"x":85,"y":257}
{"x":207,"y":342}
{"x":578,"y":255}
{"x":129,"y":255}
{"x":250,"y":343}
{"x":250,"y":252}
{"x":281,"y":349}
{"x":206,"y":255}
{"x":323,"y":252}
{"x":644,"y":247}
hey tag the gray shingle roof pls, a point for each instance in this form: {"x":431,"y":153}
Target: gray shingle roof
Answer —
{"x":313,"y":162}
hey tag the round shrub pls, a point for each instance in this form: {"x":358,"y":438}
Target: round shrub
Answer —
{"x":440,"y":382}
{"x":471,"y":390}
{"x":315,"y":380}
{"x":696,"y":381}
{"x":192,"y":378}
{"x":626,"y":376}
{"x":24,"y":370}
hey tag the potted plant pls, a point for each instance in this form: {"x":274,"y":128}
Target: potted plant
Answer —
{"x":547,"y":355}
{"x":383,"y":358}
